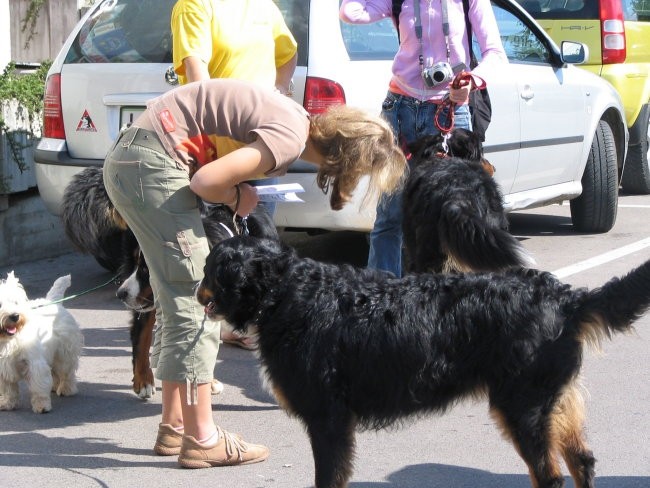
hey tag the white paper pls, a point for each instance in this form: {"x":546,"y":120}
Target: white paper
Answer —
{"x":285,"y":192}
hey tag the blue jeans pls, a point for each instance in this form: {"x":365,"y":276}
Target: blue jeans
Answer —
{"x":410,"y":120}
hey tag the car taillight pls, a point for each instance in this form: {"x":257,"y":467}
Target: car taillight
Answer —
{"x":612,"y":31}
{"x":52,"y":110}
{"x":320,"y":94}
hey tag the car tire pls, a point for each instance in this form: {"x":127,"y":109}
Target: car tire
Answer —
{"x":595,"y":209}
{"x":636,"y":172}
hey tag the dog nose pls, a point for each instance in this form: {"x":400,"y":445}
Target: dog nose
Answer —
{"x":14,"y":317}
{"x":122,"y":294}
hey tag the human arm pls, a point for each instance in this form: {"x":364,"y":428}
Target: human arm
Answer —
{"x":286,"y":51}
{"x":192,"y":40}
{"x":486,"y":32}
{"x":216,"y":181}
{"x":284,"y":74}
{"x":365,"y":11}
{"x":483,"y":26}
{"x":195,"y":69}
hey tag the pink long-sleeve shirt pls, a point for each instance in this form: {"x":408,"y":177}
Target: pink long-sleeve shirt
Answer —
{"x":407,"y":71}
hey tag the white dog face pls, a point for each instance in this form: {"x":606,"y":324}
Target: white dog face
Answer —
{"x":13,"y":307}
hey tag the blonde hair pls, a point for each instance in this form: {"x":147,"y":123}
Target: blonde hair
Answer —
{"x":353,"y":144}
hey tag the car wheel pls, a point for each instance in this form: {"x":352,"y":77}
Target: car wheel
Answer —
{"x":636,"y":172}
{"x":595,"y":209}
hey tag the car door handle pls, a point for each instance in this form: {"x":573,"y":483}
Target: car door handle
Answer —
{"x":527,"y":93}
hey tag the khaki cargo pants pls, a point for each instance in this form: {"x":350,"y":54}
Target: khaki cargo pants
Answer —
{"x":153,"y":196}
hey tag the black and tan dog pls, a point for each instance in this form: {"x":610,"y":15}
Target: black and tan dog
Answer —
{"x":94,"y":226}
{"x":344,"y":348}
{"x":454,"y":218}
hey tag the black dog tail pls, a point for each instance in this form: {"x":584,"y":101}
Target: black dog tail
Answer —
{"x":476,"y":246}
{"x":616,"y":305}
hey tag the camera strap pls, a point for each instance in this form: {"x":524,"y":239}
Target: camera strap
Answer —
{"x":445,"y":27}
{"x":418,"y":28}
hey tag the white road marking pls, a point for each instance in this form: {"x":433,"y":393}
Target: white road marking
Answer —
{"x":633,"y":206}
{"x":602,"y":259}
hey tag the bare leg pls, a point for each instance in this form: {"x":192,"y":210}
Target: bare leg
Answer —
{"x":197,"y":419}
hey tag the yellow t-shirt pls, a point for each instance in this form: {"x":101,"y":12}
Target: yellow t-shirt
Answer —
{"x":243,"y":39}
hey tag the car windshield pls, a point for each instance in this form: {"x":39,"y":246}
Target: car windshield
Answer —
{"x":125,"y":31}
{"x":583,"y":9}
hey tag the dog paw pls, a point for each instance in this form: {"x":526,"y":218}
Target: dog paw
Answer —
{"x":6,"y":404}
{"x":41,"y":405}
{"x":144,"y":391}
{"x":216,"y":387}
{"x":66,"y":389}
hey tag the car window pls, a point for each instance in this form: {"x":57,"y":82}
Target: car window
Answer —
{"x":296,"y":16}
{"x":370,"y":41}
{"x":583,"y":9}
{"x":561,"y":9}
{"x":520,"y":43}
{"x":637,"y":10}
{"x":125,"y":31}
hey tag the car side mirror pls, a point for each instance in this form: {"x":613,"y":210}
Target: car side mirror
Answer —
{"x":574,"y":52}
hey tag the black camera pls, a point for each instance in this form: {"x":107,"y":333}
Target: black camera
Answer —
{"x":441,"y":72}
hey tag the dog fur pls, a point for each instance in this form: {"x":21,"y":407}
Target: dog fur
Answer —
{"x":40,"y":343}
{"x":343,"y":348}
{"x":90,"y":220}
{"x":453,"y":210}
{"x":93,"y":225}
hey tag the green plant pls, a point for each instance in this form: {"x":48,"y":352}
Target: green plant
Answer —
{"x":27,"y":90}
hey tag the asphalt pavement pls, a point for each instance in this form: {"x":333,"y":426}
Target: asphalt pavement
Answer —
{"x":103,"y":437}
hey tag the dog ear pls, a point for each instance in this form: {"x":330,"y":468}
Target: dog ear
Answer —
{"x":465,"y":144}
{"x":11,"y":279}
{"x":474,"y":147}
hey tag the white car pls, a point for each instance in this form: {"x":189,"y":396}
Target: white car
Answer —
{"x":557,"y":132}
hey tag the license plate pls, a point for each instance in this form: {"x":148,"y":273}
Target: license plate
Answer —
{"x":128,"y":115}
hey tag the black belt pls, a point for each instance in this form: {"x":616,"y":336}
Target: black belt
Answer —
{"x":144,"y":138}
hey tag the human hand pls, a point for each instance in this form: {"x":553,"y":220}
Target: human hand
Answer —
{"x":248,"y":200}
{"x":460,"y":95}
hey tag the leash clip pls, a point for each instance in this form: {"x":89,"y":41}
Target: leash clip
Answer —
{"x":241,"y":225}
{"x":445,"y":146}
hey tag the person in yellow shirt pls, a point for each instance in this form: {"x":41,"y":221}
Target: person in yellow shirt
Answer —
{"x":243,"y":39}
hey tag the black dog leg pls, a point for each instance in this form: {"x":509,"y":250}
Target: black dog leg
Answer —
{"x":332,"y":442}
{"x":527,"y":426}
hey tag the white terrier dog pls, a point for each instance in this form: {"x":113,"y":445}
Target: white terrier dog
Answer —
{"x":40,"y":343}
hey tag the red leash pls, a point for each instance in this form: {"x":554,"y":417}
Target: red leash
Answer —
{"x":460,"y":80}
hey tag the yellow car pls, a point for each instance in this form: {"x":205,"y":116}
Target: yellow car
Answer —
{"x":617,"y":33}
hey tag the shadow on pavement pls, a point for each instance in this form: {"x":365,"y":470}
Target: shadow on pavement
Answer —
{"x":446,"y":476}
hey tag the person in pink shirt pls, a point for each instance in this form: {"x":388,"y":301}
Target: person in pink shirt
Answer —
{"x":414,"y":91}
